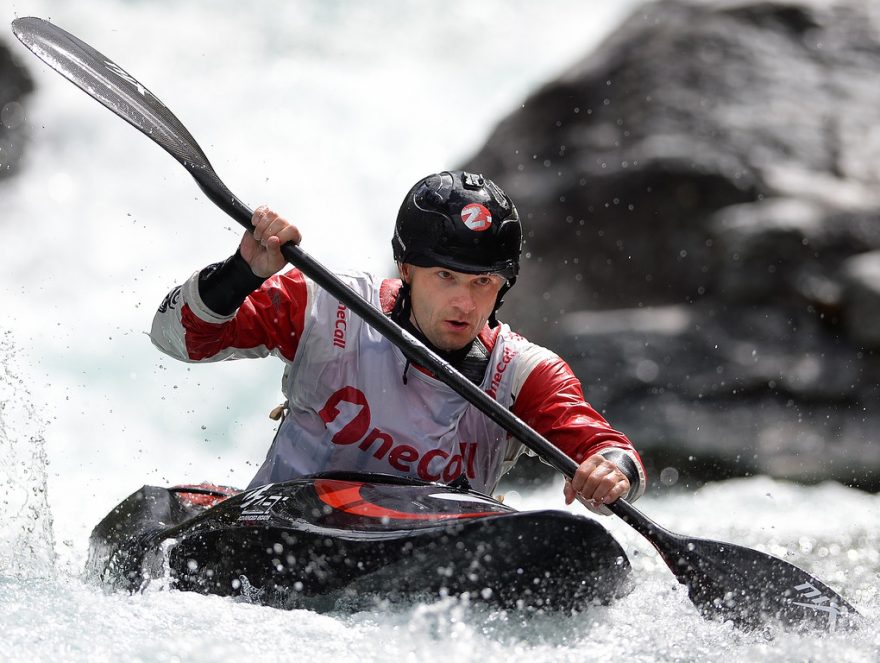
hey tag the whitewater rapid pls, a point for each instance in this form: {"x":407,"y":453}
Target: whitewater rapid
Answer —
{"x":328,"y":111}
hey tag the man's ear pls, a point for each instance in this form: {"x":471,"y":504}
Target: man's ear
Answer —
{"x":405,"y":274}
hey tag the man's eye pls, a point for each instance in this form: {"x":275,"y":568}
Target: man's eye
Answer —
{"x":444,"y":274}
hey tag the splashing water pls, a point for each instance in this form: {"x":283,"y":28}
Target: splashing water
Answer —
{"x":27,"y":546}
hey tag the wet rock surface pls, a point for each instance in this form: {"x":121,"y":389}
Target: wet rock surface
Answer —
{"x":702,"y":212}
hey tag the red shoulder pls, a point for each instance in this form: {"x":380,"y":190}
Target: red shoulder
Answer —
{"x":388,"y":292}
{"x":489,"y":335}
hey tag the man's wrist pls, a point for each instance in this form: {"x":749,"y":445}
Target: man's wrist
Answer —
{"x":225,"y":285}
{"x":627,"y":466}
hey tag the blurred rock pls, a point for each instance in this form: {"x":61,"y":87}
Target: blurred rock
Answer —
{"x":716,"y":393}
{"x":15,"y":84}
{"x":861,"y":298}
{"x":701,"y":204}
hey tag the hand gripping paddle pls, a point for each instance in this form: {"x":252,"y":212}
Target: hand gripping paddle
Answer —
{"x":724,"y":581}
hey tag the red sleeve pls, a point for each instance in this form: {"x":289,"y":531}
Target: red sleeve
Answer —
{"x":552,"y":402}
{"x":272,"y":318}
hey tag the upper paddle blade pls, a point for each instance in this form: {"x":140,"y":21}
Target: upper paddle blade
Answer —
{"x":110,"y":84}
{"x":104,"y":80}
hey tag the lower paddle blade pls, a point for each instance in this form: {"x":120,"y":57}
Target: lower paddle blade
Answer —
{"x":733,"y":583}
{"x":752,"y":588}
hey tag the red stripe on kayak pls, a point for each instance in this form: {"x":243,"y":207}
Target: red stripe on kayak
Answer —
{"x":203,"y":499}
{"x":346,"y":496}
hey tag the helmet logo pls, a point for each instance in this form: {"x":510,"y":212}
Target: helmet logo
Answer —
{"x":476,"y":217}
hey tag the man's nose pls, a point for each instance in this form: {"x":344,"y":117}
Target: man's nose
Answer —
{"x":463,"y":299}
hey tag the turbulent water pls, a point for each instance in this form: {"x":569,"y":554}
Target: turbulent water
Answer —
{"x":328,"y":111}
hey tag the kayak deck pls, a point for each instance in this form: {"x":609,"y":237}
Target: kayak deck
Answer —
{"x":341,"y":541}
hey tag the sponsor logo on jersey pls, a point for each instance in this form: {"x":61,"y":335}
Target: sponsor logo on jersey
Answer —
{"x":476,"y":217}
{"x":430,"y":465}
{"x":339,"y":327}
{"x":171,"y":300}
{"x":498,"y":372}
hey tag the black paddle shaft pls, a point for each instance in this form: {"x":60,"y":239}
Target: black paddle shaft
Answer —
{"x":723,"y":580}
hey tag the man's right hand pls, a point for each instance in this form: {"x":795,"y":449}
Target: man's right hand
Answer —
{"x":261,"y":248}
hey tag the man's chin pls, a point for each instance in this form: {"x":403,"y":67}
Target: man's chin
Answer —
{"x":452,"y":344}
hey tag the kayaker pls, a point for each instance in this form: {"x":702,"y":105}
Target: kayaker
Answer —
{"x":354,"y":402}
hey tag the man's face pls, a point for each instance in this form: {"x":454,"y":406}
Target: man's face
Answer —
{"x":450,"y":308}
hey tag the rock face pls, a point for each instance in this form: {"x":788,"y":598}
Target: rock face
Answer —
{"x":15,"y":83}
{"x":702,"y":206}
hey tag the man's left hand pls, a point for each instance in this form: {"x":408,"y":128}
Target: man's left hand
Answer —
{"x":596,"y":482}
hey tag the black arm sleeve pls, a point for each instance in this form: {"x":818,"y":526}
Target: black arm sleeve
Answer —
{"x":223,"y":286}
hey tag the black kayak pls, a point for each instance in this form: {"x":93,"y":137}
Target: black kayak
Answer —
{"x":344,"y":540}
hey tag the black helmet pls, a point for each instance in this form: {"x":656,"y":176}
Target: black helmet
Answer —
{"x":461,"y":221}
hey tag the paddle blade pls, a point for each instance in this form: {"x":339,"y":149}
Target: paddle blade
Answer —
{"x":751,"y":588}
{"x":110,"y":84}
{"x":107,"y":82}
